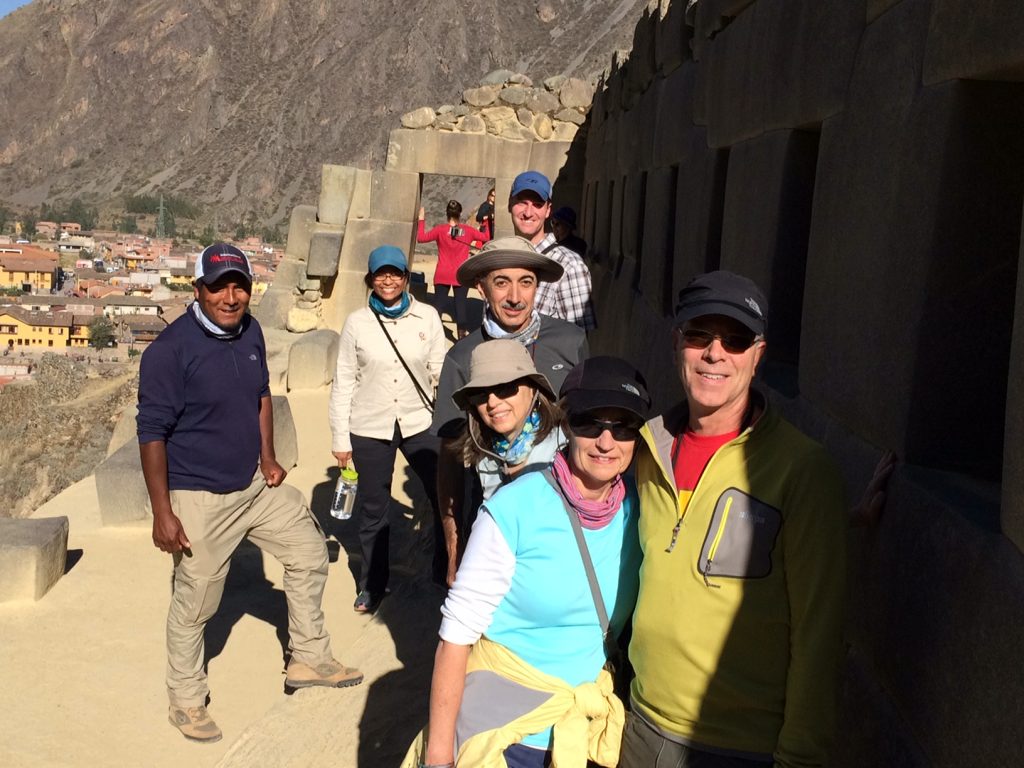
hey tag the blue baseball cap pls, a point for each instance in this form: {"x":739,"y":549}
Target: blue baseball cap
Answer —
{"x":532,"y":181}
{"x":387,"y":256}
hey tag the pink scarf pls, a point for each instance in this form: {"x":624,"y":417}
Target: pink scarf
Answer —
{"x":593,"y":514}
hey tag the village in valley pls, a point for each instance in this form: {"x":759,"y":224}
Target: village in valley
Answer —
{"x":98,"y":295}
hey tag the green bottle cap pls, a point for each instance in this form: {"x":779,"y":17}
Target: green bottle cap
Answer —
{"x":349,"y":475}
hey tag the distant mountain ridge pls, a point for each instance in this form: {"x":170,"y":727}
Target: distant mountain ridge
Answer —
{"x":235,"y":104}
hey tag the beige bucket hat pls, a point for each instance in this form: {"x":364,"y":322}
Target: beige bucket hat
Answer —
{"x":500,"y":361}
{"x":508,"y":252}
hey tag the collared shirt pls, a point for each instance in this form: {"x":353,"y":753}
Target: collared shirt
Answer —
{"x":569,"y":298}
{"x":372,"y":390}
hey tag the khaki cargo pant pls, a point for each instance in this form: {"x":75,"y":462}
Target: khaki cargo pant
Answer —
{"x":278,"y":521}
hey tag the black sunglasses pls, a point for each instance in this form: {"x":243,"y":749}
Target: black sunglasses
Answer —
{"x":501,"y":391}
{"x":733,"y":343}
{"x":587,"y":426}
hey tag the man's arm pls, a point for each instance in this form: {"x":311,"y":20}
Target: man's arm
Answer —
{"x":814,"y":552}
{"x":272,"y":471}
{"x":168,"y":533}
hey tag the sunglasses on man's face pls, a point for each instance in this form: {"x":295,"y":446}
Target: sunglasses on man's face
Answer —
{"x":733,"y":343}
{"x":590,"y":427}
{"x":501,"y":391}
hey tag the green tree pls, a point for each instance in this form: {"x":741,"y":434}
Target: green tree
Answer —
{"x":101,"y":332}
{"x":28,"y":225}
{"x":5,"y":216}
{"x":208,"y":236}
{"x":127,"y":224}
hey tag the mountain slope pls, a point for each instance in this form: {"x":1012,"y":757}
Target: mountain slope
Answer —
{"x":236,"y":103}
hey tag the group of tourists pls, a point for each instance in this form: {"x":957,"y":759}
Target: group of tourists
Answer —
{"x":687,"y":566}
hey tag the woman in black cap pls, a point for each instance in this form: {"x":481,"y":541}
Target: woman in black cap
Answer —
{"x":548,"y":581}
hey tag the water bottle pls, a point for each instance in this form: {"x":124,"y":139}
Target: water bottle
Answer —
{"x":345,"y":494}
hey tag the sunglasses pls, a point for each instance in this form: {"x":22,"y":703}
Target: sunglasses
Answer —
{"x":590,"y":427}
{"x":501,"y":391}
{"x":733,"y":343}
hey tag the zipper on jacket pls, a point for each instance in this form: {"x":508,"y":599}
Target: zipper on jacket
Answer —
{"x":715,"y":542}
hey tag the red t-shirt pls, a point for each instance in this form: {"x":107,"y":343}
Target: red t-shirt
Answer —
{"x":451,"y":251}
{"x":692,"y":452}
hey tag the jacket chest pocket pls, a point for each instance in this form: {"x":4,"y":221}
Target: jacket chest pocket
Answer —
{"x":741,"y":538}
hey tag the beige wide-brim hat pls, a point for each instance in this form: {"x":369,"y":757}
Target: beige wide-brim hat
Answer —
{"x":500,"y":361}
{"x":506,"y":252}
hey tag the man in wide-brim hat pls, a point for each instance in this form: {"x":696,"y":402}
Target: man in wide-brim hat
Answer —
{"x":507,"y":272}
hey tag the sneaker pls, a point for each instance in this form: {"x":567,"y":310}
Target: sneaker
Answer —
{"x":329,"y":673}
{"x":194,"y":723}
{"x":366,"y":602}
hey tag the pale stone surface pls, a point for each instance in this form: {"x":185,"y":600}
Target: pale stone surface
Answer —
{"x":546,"y":11}
{"x":272,"y":311}
{"x":418,"y":118}
{"x":554,"y":82}
{"x":496,"y":77}
{"x":309,"y":284}
{"x":544,"y":127}
{"x":337,"y":185}
{"x":575,"y":93}
{"x":324,"y":248}
{"x":496,"y":118}
{"x":564,"y":131}
{"x":120,"y":488}
{"x":472,"y":124}
{"x":301,"y":320}
{"x":124,"y":429}
{"x":525,"y":117}
{"x":33,"y":554}
{"x":300,"y":229}
{"x":514,"y":95}
{"x":570,"y":116}
{"x":394,"y":195}
{"x":445,"y":109}
{"x":482,"y":96}
{"x":542,"y":101}
{"x":520,"y":79}
{"x":311,"y":360}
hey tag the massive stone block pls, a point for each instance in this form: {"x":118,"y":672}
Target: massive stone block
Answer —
{"x":124,"y":430}
{"x":394,"y":195}
{"x":672,"y":37}
{"x":548,"y":157}
{"x":699,"y":210}
{"x":659,"y":239}
{"x":673,"y":126}
{"x":300,"y":229}
{"x":120,"y":487}
{"x":980,"y":40}
{"x":286,"y":441}
{"x":915,"y":189}
{"x":33,"y":554}
{"x":272,"y":311}
{"x":337,"y":186}
{"x":311,"y":360}
{"x":324,"y":250}
{"x":1012,"y":507}
{"x":766,"y":222}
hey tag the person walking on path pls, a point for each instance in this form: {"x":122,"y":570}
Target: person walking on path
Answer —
{"x":206,"y":439}
{"x":485,"y":215}
{"x":453,"y":242}
{"x":507,"y":272}
{"x":389,"y":360}
{"x":568,"y":298}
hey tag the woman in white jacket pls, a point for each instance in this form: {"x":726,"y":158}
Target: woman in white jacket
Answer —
{"x":389,"y":359}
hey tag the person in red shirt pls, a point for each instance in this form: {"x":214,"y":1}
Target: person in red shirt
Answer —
{"x":453,"y":241}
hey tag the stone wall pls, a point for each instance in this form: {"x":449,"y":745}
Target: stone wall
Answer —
{"x":864,"y":162}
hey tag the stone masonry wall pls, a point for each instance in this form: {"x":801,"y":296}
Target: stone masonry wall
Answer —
{"x":864,"y":162}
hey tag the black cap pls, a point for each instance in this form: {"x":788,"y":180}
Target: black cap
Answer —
{"x":219,"y":259}
{"x":724,"y":293}
{"x":605,"y":382}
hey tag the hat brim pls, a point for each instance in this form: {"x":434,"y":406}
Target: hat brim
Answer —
{"x":207,"y":279}
{"x":583,"y":400}
{"x":738,"y":313}
{"x":488,"y":380}
{"x":475,"y":267}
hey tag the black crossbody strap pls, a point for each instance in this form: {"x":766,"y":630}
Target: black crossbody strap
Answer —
{"x":588,"y":564}
{"x":429,"y":401}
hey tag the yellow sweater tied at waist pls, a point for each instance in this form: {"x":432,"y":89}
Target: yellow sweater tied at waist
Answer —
{"x":587,"y":719}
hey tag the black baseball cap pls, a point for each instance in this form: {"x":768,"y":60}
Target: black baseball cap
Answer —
{"x":724,"y":293}
{"x":219,"y":259}
{"x":605,"y":382}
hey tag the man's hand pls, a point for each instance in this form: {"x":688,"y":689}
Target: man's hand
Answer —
{"x":343,"y":457}
{"x":273,"y":472}
{"x":168,"y":535}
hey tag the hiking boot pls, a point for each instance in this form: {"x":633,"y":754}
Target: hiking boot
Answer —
{"x":194,"y":723}
{"x":329,"y":673}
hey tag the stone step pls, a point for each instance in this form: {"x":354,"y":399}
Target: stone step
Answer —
{"x":33,"y":554}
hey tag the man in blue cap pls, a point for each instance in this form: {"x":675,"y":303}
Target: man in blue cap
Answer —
{"x":569,"y":297}
{"x":206,"y":439}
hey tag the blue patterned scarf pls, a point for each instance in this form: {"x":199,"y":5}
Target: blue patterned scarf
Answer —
{"x":517,"y":450}
{"x":391,"y":312}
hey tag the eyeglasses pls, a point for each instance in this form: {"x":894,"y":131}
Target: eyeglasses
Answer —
{"x":733,"y":343}
{"x":388,"y":277}
{"x":501,"y":391}
{"x":590,"y":427}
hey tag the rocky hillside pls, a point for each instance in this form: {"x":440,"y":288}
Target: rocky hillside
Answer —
{"x":236,"y":103}
{"x":54,"y":429}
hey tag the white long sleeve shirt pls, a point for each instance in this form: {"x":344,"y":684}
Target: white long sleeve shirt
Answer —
{"x":371,"y":389}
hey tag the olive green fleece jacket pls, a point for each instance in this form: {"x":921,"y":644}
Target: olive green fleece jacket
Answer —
{"x":737,"y":631}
